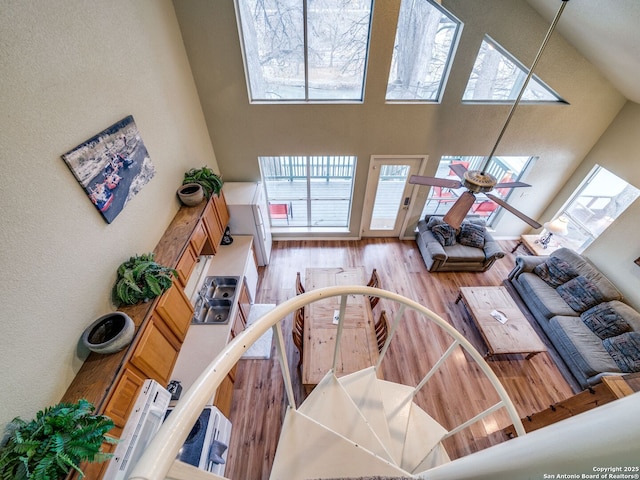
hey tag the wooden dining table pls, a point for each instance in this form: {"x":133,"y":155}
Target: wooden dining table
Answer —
{"x":358,"y":346}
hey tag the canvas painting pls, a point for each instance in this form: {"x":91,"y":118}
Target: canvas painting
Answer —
{"x":112,"y":167}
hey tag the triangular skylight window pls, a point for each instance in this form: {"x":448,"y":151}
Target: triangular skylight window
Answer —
{"x":498,"y":77}
{"x":426,"y":36}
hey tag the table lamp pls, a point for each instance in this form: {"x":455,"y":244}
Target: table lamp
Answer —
{"x":557,"y":226}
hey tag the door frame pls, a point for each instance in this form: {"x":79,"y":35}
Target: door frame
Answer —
{"x":371,"y":189}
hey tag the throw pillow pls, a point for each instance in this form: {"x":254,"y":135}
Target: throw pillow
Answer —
{"x":433,"y":221}
{"x":555,"y":272}
{"x":471,"y":235}
{"x":580,"y":293}
{"x":604,"y":321}
{"x":625,"y":351}
{"x":445,"y":234}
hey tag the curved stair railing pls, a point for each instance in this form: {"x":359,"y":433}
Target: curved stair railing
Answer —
{"x":159,"y":459}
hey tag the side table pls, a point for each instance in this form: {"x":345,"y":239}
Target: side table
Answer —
{"x":529,"y":241}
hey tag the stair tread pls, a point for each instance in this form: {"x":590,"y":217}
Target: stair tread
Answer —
{"x":397,"y":406}
{"x":438,"y":456}
{"x":330,"y":405}
{"x":309,"y":450}
{"x":423,"y":433}
{"x":362,"y":387}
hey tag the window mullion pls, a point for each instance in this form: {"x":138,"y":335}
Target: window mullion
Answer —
{"x":306,"y":49}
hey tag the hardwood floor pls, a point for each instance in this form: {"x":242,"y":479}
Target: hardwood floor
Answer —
{"x":455,"y":394}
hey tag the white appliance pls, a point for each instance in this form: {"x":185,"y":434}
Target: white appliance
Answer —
{"x":144,"y":422}
{"x":249,"y":215}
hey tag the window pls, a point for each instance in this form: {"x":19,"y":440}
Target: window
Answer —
{"x":305,"y":50}
{"x":309,"y":191}
{"x":497,"y":76}
{"x":504,"y":169}
{"x":595,"y":205}
{"x":425,"y":39}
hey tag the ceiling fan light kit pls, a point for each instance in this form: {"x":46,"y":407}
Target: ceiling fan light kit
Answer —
{"x":479,"y":181}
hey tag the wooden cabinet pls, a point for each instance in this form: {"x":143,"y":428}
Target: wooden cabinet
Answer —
{"x":216,"y":219}
{"x":123,"y":398}
{"x":224,"y":393}
{"x":176,"y":311}
{"x":186,"y":264}
{"x":244,"y":305}
{"x":156,"y":352}
{"x":198,"y":238}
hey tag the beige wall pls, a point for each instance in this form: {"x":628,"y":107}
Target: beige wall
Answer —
{"x":68,"y":70}
{"x":616,"y":249}
{"x":561,"y":135}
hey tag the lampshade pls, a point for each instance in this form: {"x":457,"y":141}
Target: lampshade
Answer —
{"x":557,"y":226}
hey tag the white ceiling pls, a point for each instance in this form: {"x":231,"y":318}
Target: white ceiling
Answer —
{"x":606,"y":32}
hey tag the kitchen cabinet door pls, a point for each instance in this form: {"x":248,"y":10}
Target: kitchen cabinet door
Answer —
{"x":156,"y":352}
{"x":175,"y":309}
{"x":198,"y":238}
{"x":244,"y":302}
{"x":186,"y":264}
{"x":124,"y":398}
{"x":224,"y":394}
{"x":221,"y":210}
{"x":212,"y":225}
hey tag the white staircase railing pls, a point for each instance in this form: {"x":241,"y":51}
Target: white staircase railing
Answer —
{"x":158,"y":461}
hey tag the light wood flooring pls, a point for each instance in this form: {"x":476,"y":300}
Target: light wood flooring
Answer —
{"x":455,"y":394}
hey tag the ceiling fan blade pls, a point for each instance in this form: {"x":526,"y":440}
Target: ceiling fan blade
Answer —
{"x":511,"y":185}
{"x":459,"y":210}
{"x":513,"y":210}
{"x":435,"y":182}
{"x":459,"y":169}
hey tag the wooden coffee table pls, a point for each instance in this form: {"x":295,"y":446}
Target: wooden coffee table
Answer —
{"x":515,"y":336}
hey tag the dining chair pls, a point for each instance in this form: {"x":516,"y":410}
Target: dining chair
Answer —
{"x":297,"y":331}
{"x":299,"y":286}
{"x":280,"y":211}
{"x":374,"y":282}
{"x":382,"y":329}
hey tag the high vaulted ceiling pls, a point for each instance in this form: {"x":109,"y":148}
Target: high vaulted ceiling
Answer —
{"x":607,"y":33}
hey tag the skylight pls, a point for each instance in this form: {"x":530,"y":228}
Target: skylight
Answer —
{"x":426,"y":36}
{"x":305,"y":50}
{"x":497,"y":76}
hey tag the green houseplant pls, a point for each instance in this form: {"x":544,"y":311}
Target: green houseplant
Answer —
{"x":210,"y":182}
{"x":54,"y":443}
{"x":141,"y":278}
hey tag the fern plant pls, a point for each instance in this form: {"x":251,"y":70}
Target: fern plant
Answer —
{"x":54,"y":443}
{"x":210,"y":182}
{"x":141,"y":278}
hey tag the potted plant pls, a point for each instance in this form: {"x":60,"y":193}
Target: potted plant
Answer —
{"x":211,"y":183}
{"x":141,"y":278}
{"x":55,"y":442}
{"x":191,"y":194}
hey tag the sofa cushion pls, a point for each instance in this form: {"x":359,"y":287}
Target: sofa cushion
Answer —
{"x":587,"y":269}
{"x":580,"y":346}
{"x":543,"y":298}
{"x":445,"y":234}
{"x":471,"y":235}
{"x":605,"y":321}
{"x":462,"y":253}
{"x":625,"y":351}
{"x":555,"y":271}
{"x":580,"y":293}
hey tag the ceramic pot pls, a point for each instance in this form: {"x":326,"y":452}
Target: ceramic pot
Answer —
{"x":110,"y":333}
{"x":191,"y":194}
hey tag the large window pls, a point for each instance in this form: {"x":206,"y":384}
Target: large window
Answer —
{"x":309,"y":191}
{"x":503,"y":168}
{"x":305,"y":50}
{"x":425,"y":40}
{"x":497,"y":77}
{"x":595,"y":205}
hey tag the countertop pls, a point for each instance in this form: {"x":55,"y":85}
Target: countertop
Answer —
{"x":204,"y":342}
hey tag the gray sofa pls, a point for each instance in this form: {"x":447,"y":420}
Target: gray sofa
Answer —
{"x":581,"y":312}
{"x":457,"y":257}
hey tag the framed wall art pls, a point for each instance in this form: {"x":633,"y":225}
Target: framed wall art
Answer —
{"x":112,"y":167}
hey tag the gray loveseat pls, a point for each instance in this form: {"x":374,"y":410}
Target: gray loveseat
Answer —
{"x":477,"y":254}
{"x":581,"y":312}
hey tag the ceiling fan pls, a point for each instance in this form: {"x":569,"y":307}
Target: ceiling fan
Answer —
{"x":480,"y":181}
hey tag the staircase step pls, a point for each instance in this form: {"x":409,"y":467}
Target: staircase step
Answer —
{"x":309,"y":450}
{"x":437,"y":456}
{"x":330,"y":405}
{"x":363,"y":388}
{"x":423,"y":434}
{"x":397,"y":400}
